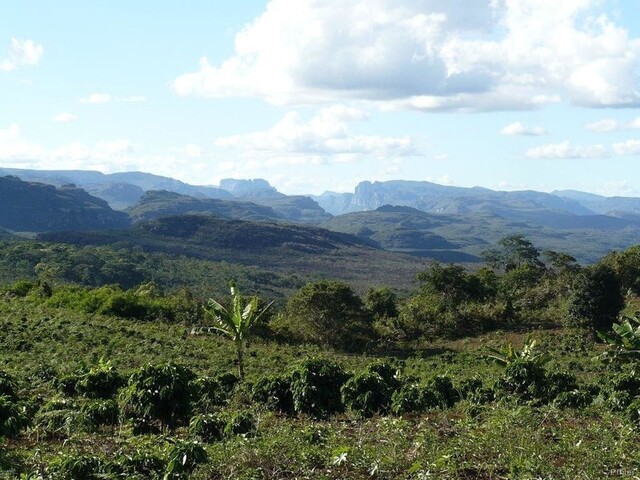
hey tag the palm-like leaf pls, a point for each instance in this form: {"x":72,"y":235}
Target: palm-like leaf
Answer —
{"x":625,"y":340}
{"x":236,"y":322}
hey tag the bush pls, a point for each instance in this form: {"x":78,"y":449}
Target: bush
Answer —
{"x":275,"y":393}
{"x":75,"y":466}
{"x":184,"y":457}
{"x":101,"y":412}
{"x":207,"y":393}
{"x":241,"y":423}
{"x":408,"y":399}
{"x":60,"y":419}
{"x":21,"y":288}
{"x":388,"y":372}
{"x":13,"y":418}
{"x":159,"y":393}
{"x":597,"y":298}
{"x":315,"y":387}
{"x":208,"y":428}
{"x":560,"y":383}
{"x":139,"y":464}
{"x":632,"y":413}
{"x":367,"y":394}
{"x":473,"y":390}
{"x":101,"y":381}
{"x":524,"y":378}
{"x":439,"y":392}
{"x":8,"y":386}
{"x":578,"y":398}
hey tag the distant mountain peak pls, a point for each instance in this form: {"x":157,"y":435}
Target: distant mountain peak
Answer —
{"x":257,"y":187}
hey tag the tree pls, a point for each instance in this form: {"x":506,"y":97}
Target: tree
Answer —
{"x":597,"y":298}
{"x":515,"y":251}
{"x":236,"y":322}
{"x":381,"y":302}
{"x":330,"y":313}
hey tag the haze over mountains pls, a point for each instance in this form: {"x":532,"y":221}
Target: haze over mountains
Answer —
{"x":418,"y":218}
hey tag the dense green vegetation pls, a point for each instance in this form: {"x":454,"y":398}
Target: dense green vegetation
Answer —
{"x":491,"y":373}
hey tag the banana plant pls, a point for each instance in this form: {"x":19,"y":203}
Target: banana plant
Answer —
{"x":624,"y":340}
{"x":235,"y":323}
{"x":507,"y":355}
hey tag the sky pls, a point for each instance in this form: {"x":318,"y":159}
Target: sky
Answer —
{"x":319,"y":95}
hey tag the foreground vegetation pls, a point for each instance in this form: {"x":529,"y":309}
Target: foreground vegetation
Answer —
{"x":496,"y":373}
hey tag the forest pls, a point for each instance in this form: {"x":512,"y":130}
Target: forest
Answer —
{"x":117,"y":363}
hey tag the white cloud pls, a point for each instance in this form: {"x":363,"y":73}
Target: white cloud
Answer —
{"x":567,"y":150}
{"x":611,"y":125}
{"x":630,"y":147}
{"x":64,"y":117}
{"x":13,"y":145}
{"x":323,"y":138}
{"x":428,"y":55}
{"x":22,"y":53}
{"x":97,"y":98}
{"x":518,"y":128}
{"x":102,"y":98}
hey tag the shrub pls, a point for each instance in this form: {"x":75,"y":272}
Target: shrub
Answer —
{"x":632,"y":413}
{"x":371,"y":391}
{"x":473,"y":390}
{"x":13,"y":418}
{"x":558,"y":383}
{"x":241,"y":423}
{"x":139,"y":464}
{"x":439,"y":392}
{"x":578,"y":398}
{"x":275,"y":393}
{"x":101,"y":412}
{"x":183,"y":459}
{"x":101,"y":381}
{"x":75,"y":466}
{"x":207,"y":393}
{"x":7,"y":385}
{"x":21,"y":288}
{"x":408,"y":399}
{"x":208,"y":428}
{"x":160,"y":393}
{"x":61,"y":418}
{"x":315,"y":387}
{"x":388,"y":372}
{"x":524,"y":378}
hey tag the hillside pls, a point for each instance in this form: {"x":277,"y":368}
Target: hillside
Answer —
{"x":280,"y":248}
{"x":156,"y":204}
{"x":119,"y":189}
{"x":462,"y":238}
{"x":36,"y":207}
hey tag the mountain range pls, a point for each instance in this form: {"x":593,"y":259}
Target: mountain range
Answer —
{"x":418,"y":218}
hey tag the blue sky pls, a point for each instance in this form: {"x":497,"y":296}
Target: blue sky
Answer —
{"x":320,"y":95}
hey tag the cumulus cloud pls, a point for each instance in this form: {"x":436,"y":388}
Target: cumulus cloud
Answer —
{"x":102,"y":98}
{"x":428,"y":55}
{"x":630,"y":147}
{"x":612,"y":125}
{"x":565,"y":150}
{"x":518,"y":128}
{"x":22,"y":53}
{"x":64,"y":117}
{"x":323,"y":138}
